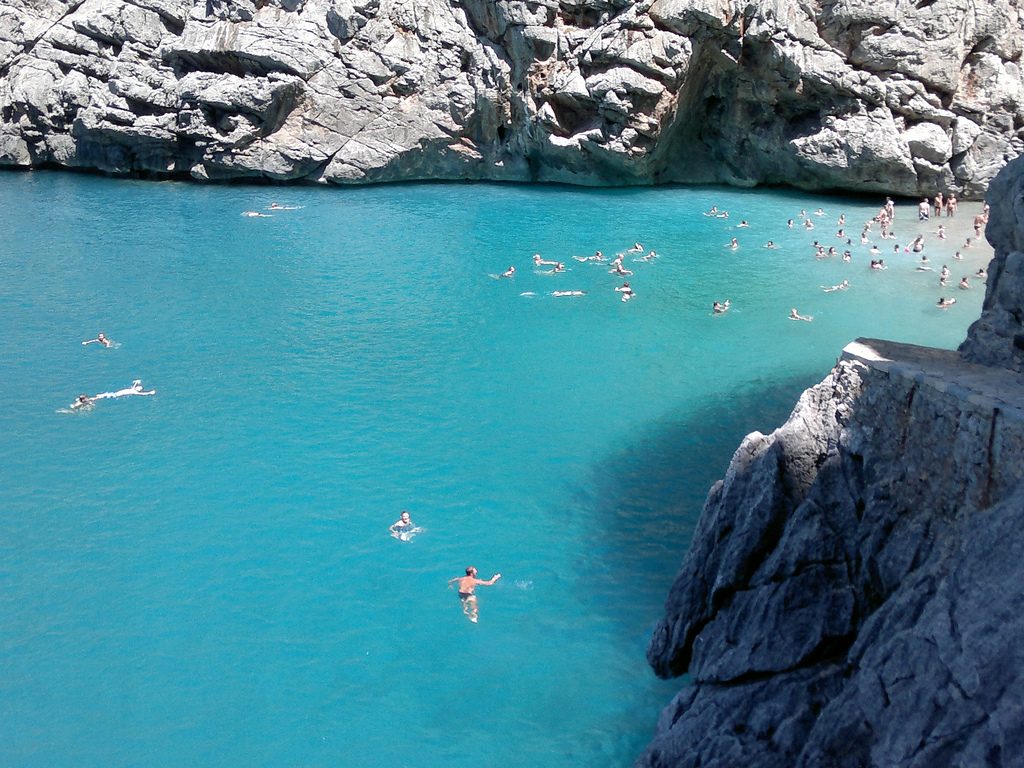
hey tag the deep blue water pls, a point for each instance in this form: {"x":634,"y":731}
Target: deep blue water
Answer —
{"x":205,"y":577}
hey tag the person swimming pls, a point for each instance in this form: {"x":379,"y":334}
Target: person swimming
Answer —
{"x":964,"y":283}
{"x":733,"y":244}
{"x":560,"y":294}
{"x":838,"y":287}
{"x":598,"y":256}
{"x":256,"y":215}
{"x":539,"y":262}
{"x":100,"y":339}
{"x":627,"y":291}
{"x":945,"y":303}
{"x":510,"y":272}
{"x":134,"y":389}
{"x":720,"y":308}
{"x":403,"y":528}
{"x":794,"y":315}
{"x":467,"y":591}
{"x":770,"y":244}
{"x":743,"y":224}
{"x":83,"y":402}
{"x":637,"y":248}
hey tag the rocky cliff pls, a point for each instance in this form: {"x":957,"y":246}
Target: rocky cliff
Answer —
{"x":874,"y":95}
{"x":854,"y":594}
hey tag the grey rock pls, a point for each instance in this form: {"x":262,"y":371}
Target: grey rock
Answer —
{"x":864,"y":96}
{"x":853,"y":592}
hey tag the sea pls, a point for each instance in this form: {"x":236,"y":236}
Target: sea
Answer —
{"x":206,"y":577}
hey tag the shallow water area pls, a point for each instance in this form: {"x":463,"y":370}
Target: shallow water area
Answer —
{"x":206,"y":576}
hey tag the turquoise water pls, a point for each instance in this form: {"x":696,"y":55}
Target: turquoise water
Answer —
{"x":205,"y":577}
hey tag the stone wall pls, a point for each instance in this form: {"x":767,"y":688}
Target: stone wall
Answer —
{"x":854,"y":593}
{"x":892,"y":97}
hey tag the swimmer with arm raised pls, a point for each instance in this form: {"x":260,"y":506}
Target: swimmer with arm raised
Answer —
{"x":467,"y":591}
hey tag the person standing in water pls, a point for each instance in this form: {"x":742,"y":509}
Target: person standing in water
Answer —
{"x":403,"y":527}
{"x":467,"y":591}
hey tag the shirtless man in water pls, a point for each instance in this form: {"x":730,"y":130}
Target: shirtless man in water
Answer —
{"x":467,"y":591}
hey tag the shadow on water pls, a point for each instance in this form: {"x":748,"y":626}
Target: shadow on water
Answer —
{"x":645,"y":499}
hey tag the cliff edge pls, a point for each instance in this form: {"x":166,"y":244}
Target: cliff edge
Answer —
{"x":853,"y":594}
{"x":891,"y":97}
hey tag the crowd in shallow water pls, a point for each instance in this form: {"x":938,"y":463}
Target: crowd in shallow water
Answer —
{"x":881,"y":227}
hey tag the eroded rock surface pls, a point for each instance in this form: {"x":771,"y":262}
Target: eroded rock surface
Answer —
{"x":876,"y":96}
{"x":853,"y":594}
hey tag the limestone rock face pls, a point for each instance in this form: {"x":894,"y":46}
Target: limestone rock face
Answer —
{"x":853,"y":593}
{"x":895,"y":97}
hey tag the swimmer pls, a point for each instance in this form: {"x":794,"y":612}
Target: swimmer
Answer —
{"x":733,"y":244}
{"x":838,"y":287}
{"x":279,"y":207}
{"x":820,"y":212}
{"x":637,"y":248}
{"x":627,"y":291}
{"x":842,"y":220}
{"x":256,"y":215}
{"x":743,"y":224}
{"x":789,"y":223}
{"x":467,"y":591}
{"x":880,"y":264}
{"x":944,"y":303}
{"x":619,"y":270}
{"x":981,"y":273}
{"x":720,"y":308}
{"x":649,"y":257}
{"x":770,"y":244}
{"x":965,"y":284}
{"x":958,"y":256}
{"x":598,"y":256}
{"x":539,"y":262}
{"x":922,"y":265}
{"x":100,"y":339}
{"x":875,"y":249}
{"x":510,"y":272}
{"x":568,"y":293}
{"x":712,"y":212}
{"x":967,"y":243}
{"x":403,"y":528}
{"x":134,"y":389}
{"x":83,"y":402}
{"x":847,"y":256}
{"x":794,"y":315}
{"x":941,"y":232}
{"x":808,"y":224}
